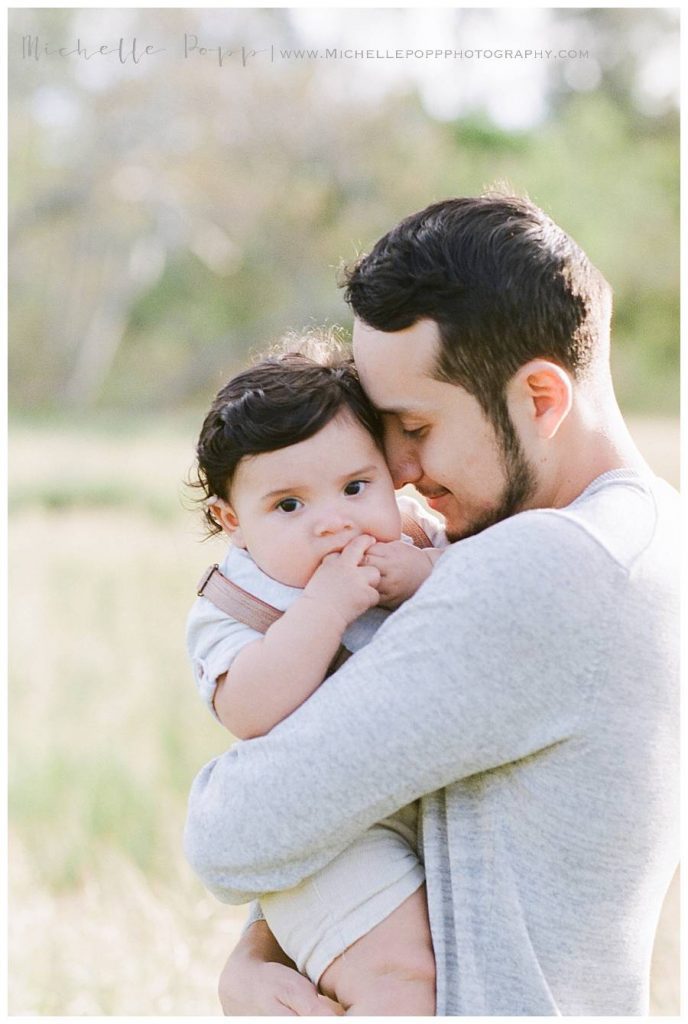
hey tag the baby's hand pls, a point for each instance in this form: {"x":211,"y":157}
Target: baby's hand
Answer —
{"x":402,"y":567}
{"x":344,"y":583}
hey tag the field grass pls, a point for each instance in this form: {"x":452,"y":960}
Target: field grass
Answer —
{"x":106,"y":730}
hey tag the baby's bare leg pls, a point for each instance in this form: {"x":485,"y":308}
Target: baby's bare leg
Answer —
{"x":391,"y":970}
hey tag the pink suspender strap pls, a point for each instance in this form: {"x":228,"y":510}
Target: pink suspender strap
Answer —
{"x":415,"y":531}
{"x":247,"y":608}
{"x":234,"y":601}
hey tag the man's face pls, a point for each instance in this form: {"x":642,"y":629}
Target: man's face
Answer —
{"x":437,"y":436}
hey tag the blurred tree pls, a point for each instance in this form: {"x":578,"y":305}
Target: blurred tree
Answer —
{"x":165,"y":219}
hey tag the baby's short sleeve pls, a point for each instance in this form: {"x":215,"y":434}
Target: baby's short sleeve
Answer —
{"x":213,"y":641}
{"x":429,"y":523}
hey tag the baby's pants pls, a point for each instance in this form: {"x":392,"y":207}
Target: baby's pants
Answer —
{"x":317,"y":920}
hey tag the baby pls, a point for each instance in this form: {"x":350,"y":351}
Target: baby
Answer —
{"x":291,"y":462}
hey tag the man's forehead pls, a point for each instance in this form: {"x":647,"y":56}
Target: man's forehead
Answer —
{"x":396,"y":367}
{"x":415,"y":345}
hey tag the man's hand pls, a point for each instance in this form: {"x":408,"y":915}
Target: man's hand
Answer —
{"x":271,"y":990}
{"x":402,"y":568}
{"x":256,"y":981}
{"x":344,"y":583}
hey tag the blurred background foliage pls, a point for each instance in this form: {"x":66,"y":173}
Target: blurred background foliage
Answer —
{"x":168,"y":218}
{"x":165,"y":220}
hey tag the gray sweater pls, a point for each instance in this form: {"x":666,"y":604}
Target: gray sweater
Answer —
{"x":529,"y":694}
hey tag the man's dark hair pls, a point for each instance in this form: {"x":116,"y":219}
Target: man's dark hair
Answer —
{"x":503,"y":283}
{"x":280,"y":401}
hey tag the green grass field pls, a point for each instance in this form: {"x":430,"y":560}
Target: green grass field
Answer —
{"x":107,"y":732}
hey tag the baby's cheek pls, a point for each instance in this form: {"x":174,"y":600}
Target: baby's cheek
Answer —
{"x":291,"y":565}
{"x":391,"y":527}
{"x":305,"y":574}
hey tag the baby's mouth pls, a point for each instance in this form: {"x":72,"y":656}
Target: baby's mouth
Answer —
{"x":338,"y":548}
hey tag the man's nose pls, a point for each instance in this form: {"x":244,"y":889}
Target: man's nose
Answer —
{"x":403,"y":462}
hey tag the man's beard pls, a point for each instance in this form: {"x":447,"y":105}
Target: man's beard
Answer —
{"x":521,"y":482}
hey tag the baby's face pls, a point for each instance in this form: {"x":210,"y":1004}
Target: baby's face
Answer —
{"x":299,"y":504}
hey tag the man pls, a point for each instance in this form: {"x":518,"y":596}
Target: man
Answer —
{"x":528,"y":693}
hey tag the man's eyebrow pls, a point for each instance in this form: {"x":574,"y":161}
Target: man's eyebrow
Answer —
{"x":397,"y":410}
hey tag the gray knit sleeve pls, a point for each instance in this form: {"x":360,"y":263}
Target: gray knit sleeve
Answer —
{"x":474,"y":672}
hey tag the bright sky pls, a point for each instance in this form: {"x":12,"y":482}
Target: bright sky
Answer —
{"x":511,"y":90}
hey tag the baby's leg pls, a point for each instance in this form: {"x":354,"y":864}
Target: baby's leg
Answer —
{"x":391,"y":970}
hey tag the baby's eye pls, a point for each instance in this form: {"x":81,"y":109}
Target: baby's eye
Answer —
{"x":414,"y":434}
{"x":356,"y":487}
{"x":289,"y":504}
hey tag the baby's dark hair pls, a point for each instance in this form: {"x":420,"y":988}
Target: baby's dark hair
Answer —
{"x":281,"y":400}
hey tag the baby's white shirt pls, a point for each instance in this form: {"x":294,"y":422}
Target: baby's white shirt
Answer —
{"x":214,"y":638}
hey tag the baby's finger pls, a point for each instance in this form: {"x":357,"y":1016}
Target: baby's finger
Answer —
{"x":354,"y":551}
{"x":372,"y":575}
{"x":371,"y":558}
{"x":380,"y":547}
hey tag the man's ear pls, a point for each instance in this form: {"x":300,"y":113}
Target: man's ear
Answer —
{"x":223,"y":514}
{"x":540,"y":395}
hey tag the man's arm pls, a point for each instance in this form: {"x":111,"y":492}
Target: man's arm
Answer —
{"x":478,"y":670}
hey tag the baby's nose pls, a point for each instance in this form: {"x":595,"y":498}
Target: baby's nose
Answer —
{"x":333,"y":521}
